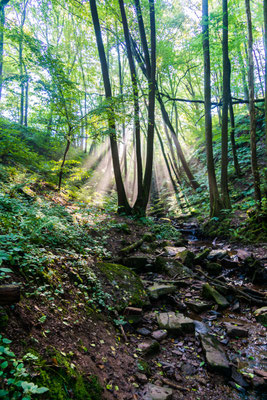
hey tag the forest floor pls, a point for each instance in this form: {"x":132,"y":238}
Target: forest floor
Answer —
{"x":76,"y":316}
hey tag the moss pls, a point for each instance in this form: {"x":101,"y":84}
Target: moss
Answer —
{"x":65,"y":382}
{"x":126,"y":286}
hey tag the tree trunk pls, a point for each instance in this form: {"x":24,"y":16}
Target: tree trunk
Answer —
{"x":254,"y":162}
{"x":9,"y":294}
{"x":3,"y":3}
{"x":136,"y":102}
{"x":215,"y":204}
{"x":232,"y":136}
{"x":122,"y":199}
{"x":63,"y":163}
{"x":265,"y":52}
{"x":225,"y":107}
{"x":26,"y":102}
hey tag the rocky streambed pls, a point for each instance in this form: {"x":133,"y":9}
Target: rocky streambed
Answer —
{"x":201,"y":331}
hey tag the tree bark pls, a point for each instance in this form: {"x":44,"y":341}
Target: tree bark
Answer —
{"x":63,"y":163}
{"x":215,"y":204}
{"x":9,"y":294}
{"x":226,"y":100}
{"x":265,"y":52}
{"x":254,"y":162}
{"x":122,"y":199}
{"x":232,"y":136}
{"x":136,"y":102}
{"x":3,"y":3}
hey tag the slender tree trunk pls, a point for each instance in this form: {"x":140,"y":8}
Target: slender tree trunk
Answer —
{"x":122,"y":199}
{"x":26,"y":102}
{"x":232,"y":136}
{"x":225,"y":107}
{"x":3,"y":3}
{"x":265,"y":52}
{"x":259,"y":72}
{"x":63,"y":163}
{"x":215,"y":204}
{"x":254,"y":162}
{"x":171,"y":150}
{"x":136,"y":102}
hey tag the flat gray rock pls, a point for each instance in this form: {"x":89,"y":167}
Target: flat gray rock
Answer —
{"x":157,"y":290}
{"x":159,"y":334}
{"x":154,"y":392}
{"x":215,"y":355}
{"x":175,"y":323}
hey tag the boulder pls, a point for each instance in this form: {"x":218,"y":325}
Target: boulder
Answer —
{"x":198,"y":306}
{"x":261,"y":315}
{"x":175,"y":323}
{"x":154,"y":392}
{"x":159,"y":335}
{"x":149,"y":347}
{"x":217,"y":254}
{"x":210,"y":293}
{"x":124,"y":286}
{"x":171,"y":267}
{"x":187,"y":257}
{"x":157,"y":290}
{"x":215,"y":355}
{"x":138,"y":263}
{"x":213,"y":268}
{"x":173,"y":251}
{"x":201,"y":256}
{"x":234,"y":330}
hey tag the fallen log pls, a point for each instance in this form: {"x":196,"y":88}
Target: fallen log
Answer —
{"x":9,"y":294}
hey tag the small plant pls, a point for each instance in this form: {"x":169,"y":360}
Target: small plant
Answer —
{"x":15,"y":379}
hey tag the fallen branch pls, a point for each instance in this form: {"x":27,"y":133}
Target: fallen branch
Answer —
{"x":132,"y":247}
{"x":174,"y":385}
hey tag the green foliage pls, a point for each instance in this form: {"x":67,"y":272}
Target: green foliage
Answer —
{"x":15,"y":379}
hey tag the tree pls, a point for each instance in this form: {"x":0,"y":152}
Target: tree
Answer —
{"x":226,"y":101}
{"x":215,"y":203}
{"x":252,"y":114}
{"x":3,"y":3}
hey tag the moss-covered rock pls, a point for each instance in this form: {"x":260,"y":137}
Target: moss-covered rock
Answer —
{"x":125,"y":287}
{"x":213,"y":268}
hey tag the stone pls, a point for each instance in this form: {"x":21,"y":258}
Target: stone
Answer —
{"x":124,"y":286}
{"x":200,"y":327}
{"x":149,"y":347}
{"x":201,"y":256}
{"x":238,"y":378}
{"x":188,"y":369}
{"x":157,"y":290}
{"x":187,"y":257}
{"x":213,"y":268}
{"x":210,"y":293}
{"x":261,"y":315}
{"x":215,"y":355}
{"x":138,"y":263}
{"x":217,"y":254}
{"x":175,"y":323}
{"x":142,"y":378}
{"x":154,"y":392}
{"x":236,"y":330}
{"x":172,"y":268}
{"x":160,"y":334}
{"x":173,"y":251}
{"x":198,"y":306}
{"x":143,"y":331}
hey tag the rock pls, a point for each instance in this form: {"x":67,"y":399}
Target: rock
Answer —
{"x":238,"y":378}
{"x":236,"y":331}
{"x":210,"y":293}
{"x":149,"y":347}
{"x":142,"y":378}
{"x":137,"y":263}
{"x":173,"y":251}
{"x":154,"y":392}
{"x":125,"y":287}
{"x":173,"y":268}
{"x":217,"y":254}
{"x":259,"y":383}
{"x":159,"y":335}
{"x":213,"y":268}
{"x":198,"y":306}
{"x":175,"y":323}
{"x":215,"y":355}
{"x":261,"y":315}
{"x":201,"y":256}
{"x":157,"y":290}
{"x":187,"y":257}
{"x":188,"y":369}
{"x":200,"y":327}
{"x":143,"y":331}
